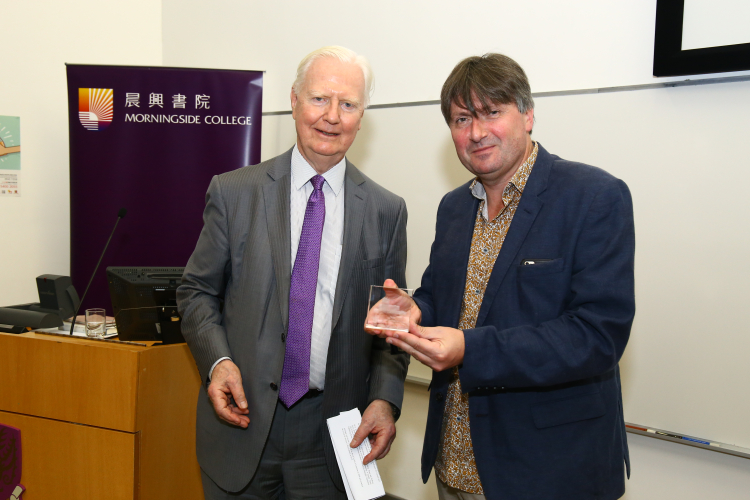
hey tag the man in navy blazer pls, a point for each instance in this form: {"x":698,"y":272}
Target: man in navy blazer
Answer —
{"x":525,"y":308}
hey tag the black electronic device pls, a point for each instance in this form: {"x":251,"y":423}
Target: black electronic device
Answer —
{"x":144,"y":302}
{"x":19,"y":319}
{"x":58,"y":300}
{"x":56,"y":295}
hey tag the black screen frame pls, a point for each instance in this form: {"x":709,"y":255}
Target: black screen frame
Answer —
{"x":149,"y":296}
{"x":671,"y":60}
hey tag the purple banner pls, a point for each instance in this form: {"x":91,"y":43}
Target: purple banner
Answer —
{"x":10,"y":461}
{"x":149,"y":140}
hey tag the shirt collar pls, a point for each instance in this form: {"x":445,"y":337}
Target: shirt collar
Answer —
{"x":302,"y":172}
{"x":518,"y":180}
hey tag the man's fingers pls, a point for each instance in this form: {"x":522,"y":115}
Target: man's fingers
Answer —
{"x":374,"y":453}
{"x":362,"y":432}
{"x":238,"y":393}
{"x":378,"y":446}
{"x":228,"y":412}
{"x":412,"y":351}
{"x":234,"y":416}
{"x":415,"y":329}
{"x":415,"y":315}
{"x":387,"y":450}
{"x":381,"y":445}
{"x":390,"y":283}
{"x":416,"y":341}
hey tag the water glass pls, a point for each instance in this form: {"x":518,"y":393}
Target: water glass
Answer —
{"x":95,"y":322}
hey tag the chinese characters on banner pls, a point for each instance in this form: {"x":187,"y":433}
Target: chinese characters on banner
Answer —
{"x":150,"y":140}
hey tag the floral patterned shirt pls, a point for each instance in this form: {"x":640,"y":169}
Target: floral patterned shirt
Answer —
{"x":455,"y":464}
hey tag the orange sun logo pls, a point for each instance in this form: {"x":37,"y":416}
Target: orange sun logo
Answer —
{"x":95,"y":108}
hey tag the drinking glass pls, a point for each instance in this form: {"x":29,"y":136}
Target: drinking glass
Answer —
{"x":95,"y":322}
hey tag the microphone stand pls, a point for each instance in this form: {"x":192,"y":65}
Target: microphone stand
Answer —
{"x":120,"y":215}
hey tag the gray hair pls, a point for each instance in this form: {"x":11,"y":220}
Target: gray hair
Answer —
{"x":342,"y":54}
{"x":491,"y":78}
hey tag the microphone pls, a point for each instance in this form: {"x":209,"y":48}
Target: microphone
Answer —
{"x":120,"y":215}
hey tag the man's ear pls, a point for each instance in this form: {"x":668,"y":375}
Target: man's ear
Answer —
{"x":293,"y":98}
{"x":529,"y":119}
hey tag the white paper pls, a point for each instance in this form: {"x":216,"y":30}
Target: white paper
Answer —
{"x":362,"y":482}
{"x":78,"y":331}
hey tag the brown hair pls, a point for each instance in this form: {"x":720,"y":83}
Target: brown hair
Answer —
{"x":491,"y":78}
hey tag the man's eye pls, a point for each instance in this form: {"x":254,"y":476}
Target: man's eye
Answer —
{"x":318,"y":99}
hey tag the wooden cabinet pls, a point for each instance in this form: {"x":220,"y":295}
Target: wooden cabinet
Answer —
{"x":101,"y":420}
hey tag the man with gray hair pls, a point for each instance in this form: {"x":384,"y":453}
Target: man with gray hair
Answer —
{"x":525,"y":308}
{"x":274,"y":297}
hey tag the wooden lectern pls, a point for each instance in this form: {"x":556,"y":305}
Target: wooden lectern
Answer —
{"x":101,"y":420}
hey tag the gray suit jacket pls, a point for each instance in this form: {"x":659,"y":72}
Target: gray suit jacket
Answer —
{"x":243,"y":257}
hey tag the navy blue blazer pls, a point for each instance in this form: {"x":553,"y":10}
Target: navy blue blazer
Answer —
{"x":541,"y":365}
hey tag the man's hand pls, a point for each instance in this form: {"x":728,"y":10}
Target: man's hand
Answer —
{"x":378,"y":424}
{"x":439,"y":348}
{"x":227,"y":396}
{"x":395,"y":303}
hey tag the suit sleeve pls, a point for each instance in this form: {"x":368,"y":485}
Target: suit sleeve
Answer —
{"x":590,"y":335}
{"x":387,"y":368}
{"x":203,"y":284}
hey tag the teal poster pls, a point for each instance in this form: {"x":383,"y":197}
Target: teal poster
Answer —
{"x":10,"y":155}
{"x":10,"y":143}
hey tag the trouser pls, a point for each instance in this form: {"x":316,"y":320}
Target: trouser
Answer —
{"x":293,"y":465}
{"x":446,"y":492}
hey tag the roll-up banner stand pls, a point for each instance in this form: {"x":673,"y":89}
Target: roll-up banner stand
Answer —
{"x":149,"y":139}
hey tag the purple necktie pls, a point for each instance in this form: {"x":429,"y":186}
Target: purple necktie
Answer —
{"x":295,"y":379}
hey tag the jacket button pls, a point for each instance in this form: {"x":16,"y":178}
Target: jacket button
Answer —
{"x":274,"y":386}
{"x":439,"y":396}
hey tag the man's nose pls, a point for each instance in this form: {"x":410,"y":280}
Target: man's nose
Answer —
{"x":332,"y":111}
{"x":478,"y":130}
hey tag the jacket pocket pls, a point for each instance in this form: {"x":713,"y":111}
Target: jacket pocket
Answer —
{"x":537,"y":267}
{"x":565,"y":411}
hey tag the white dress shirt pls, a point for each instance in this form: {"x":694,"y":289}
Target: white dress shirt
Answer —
{"x":330,"y":253}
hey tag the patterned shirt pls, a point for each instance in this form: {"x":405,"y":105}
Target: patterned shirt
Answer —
{"x":455,"y":464}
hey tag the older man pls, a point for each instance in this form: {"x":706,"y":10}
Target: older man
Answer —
{"x":291,"y":246}
{"x":526,"y":307}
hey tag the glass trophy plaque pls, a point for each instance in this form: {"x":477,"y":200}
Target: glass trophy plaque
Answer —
{"x":388,"y":308}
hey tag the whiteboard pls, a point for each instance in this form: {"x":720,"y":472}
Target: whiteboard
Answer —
{"x":682,"y":153}
{"x":714,"y":23}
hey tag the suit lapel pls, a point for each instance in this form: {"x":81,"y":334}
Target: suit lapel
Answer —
{"x":461,"y":230}
{"x":355,"y":201}
{"x":276,"y":198}
{"x":526,"y":213}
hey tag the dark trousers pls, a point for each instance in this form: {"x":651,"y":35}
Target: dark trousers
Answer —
{"x":293,"y":466}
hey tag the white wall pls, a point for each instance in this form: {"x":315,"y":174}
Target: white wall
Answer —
{"x":38,"y":39}
{"x":413,"y":45}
